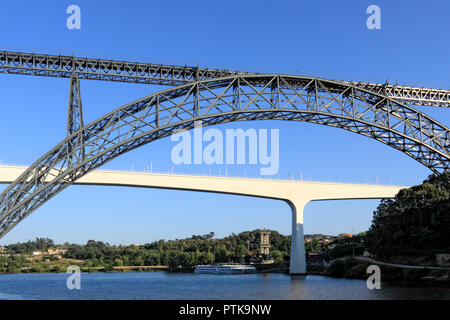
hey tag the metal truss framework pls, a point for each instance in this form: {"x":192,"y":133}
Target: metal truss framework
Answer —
{"x":148,"y":73}
{"x":410,"y":95}
{"x":235,"y":98}
{"x":75,"y":120}
{"x":106,"y":70}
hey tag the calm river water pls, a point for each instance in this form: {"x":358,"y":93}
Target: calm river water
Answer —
{"x":162,"y":285}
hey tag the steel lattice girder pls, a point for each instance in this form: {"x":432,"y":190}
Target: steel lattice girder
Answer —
{"x":236,"y":98}
{"x":149,"y":73}
{"x":410,"y":95}
{"x":106,"y":70}
{"x":74,"y":119}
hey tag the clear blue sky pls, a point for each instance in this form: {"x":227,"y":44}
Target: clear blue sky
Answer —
{"x":319,"y":38}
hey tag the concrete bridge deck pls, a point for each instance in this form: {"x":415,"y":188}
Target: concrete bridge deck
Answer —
{"x":296,"y":193}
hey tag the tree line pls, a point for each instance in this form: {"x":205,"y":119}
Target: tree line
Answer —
{"x":415,"y":222}
{"x":185,"y":253}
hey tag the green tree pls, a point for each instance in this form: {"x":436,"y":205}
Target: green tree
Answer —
{"x":416,"y":222}
{"x":139,"y":261}
{"x":277,"y":255}
{"x":109,"y":268}
{"x":171,"y":259}
{"x":13,"y":267}
{"x":221,"y":254}
{"x":152,"y":258}
{"x":118,"y":262}
{"x":185,"y":259}
{"x":241,"y":250}
{"x":125,"y":260}
{"x":58,"y":269}
{"x":206,"y":258}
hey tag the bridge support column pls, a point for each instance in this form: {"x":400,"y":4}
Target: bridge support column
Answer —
{"x":298,"y":260}
{"x":75,"y":150}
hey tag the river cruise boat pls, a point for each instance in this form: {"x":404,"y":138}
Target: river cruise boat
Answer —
{"x":225,"y":268}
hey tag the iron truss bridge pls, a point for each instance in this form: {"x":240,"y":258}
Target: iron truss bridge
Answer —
{"x":148,"y":73}
{"x":213,"y":97}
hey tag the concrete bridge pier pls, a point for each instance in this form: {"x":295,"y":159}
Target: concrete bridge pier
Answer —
{"x":298,"y":260}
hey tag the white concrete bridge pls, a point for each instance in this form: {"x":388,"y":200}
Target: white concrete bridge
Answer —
{"x":296,"y":193}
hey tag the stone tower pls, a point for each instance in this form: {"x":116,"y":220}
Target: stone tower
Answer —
{"x":265,"y":242}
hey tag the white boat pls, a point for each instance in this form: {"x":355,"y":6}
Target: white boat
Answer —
{"x":225,"y":268}
{"x":205,"y":269}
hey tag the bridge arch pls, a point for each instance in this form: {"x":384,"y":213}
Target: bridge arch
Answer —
{"x":295,"y":193}
{"x":234,"y":98}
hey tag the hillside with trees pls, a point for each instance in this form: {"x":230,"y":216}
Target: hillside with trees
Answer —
{"x":416,"y":222}
{"x":198,"y":249}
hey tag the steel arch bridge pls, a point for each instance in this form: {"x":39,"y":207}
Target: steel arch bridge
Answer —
{"x":240,"y":97}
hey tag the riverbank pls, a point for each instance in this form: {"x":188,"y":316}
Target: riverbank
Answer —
{"x":30,"y":264}
{"x":348,"y":267}
{"x":125,"y":269}
{"x":61,"y":269}
{"x":61,"y":265}
{"x":352,"y":268}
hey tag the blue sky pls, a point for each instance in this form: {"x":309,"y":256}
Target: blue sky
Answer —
{"x":323,"y":38}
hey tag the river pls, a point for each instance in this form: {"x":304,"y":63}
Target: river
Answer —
{"x":163,"y":285}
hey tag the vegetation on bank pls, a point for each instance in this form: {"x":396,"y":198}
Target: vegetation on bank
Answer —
{"x":344,"y":246}
{"x":183,"y":254}
{"x":356,"y":269}
{"x":409,"y":229}
{"x":415,"y":223}
{"x":412,"y":227}
{"x":179,"y":254}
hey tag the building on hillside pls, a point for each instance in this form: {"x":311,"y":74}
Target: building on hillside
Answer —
{"x":56,"y":251}
{"x":345,"y":235}
{"x":39,"y":253}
